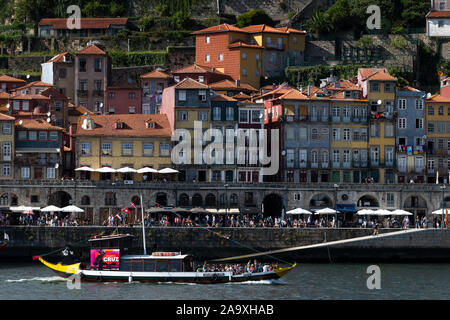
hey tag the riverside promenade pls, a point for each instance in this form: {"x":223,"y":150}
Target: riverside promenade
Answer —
{"x":415,"y":245}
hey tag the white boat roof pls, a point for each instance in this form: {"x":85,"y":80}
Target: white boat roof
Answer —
{"x":177,"y":257}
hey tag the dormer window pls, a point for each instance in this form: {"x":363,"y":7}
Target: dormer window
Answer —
{"x":118,"y":125}
{"x":150,"y":124}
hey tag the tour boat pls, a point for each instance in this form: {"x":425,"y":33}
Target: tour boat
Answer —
{"x":111,"y":261}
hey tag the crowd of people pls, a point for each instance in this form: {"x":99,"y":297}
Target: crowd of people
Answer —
{"x":43,"y":220}
{"x":250,"y":267}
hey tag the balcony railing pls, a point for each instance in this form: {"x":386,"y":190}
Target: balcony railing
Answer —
{"x":82,"y":93}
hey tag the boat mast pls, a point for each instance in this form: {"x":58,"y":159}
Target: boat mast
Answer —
{"x":143,"y":227}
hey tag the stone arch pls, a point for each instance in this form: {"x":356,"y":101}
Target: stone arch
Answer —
{"x":183,"y":200}
{"x":60,"y":199}
{"x":161,"y":199}
{"x":273,"y":205}
{"x":9,"y":199}
{"x":234,"y":199}
{"x":320,"y":200}
{"x":210,"y":200}
{"x":415,"y":201}
{"x":197,"y":200}
{"x":85,"y":200}
{"x":368,"y":200}
{"x":136,"y":200}
{"x":223,"y":199}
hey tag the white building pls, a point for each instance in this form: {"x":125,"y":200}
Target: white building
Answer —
{"x":438,"y":24}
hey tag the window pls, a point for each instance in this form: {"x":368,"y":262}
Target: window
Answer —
{"x":217,"y":113}
{"x":131,"y":95}
{"x":201,"y":79}
{"x":82,"y":65}
{"x":336,"y":156}
{"x":182,"y":115}
{"x":25,"y":105}
{"x":430,"y":110}
{"x":419,"y":123}
{"x":112,"y":95}
{"x":58,"y":106}
{"x":389,"y":155}
{"x":202,"y":95}
{"x":85,"y":148}
{"x":25,"y":172}
{"x":388,"y":130}
{"x":110,"y":199}
{"x":22,"y":135}
{"x":182,"y":95}
{"x":244,"y":72}
{"x":202,"y":116}
{"x":43,"y":135}
{"x":111,"y":109}
{"x":244,"y":55}
{"x":220,"y":57}
{"x":336,"y":134}
{"x":32,"y":135}
{"x":6,"y":151}
{"x":441,"y":110}
{"x":51,"y":173}
{"x":374,"y":155}
{"x":230,"y":114}
{"x":6,"y":170}
{"x":98,"y":65}
{"x":62,"y":73}
{"x":164,"y":149}
{"x":388,"y":87}
{"x":53,"y":135}
{"x":6,"y":128}
{"x":419,"y":104}
{"x":243,"y":116}
{"x":127,"y":149}
{"x":290,"y":133}
{"x":402,"y":104}
{"x":256,"y":114}
{"x":374,"y":87}
{"x":440,"y":24}
{"x":207,"y":57}
{"x":131,"y":110}
{"x":347,"y":134}
{"x":176,"y":78}
{"x":147,"y":149}
{"x":106,"y":149}
{"x":314,"y":134}
{"x":295,"y":40}
{"x":207,"y":39}
{"x":390,"y":199}
{"x":430,"y":127}
{"x":402,"y":123}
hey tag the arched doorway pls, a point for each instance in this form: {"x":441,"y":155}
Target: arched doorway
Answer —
{"x":161,"y":199}
{"x":417,"y":205}
{"x":319,"y":201}
{"x":210,"y":200}
{"x":59,"y":199}
{"x":184,"y":200}
{"x":273,"y":205}
{"x":197,"y":200}
{"x":368,"y":201}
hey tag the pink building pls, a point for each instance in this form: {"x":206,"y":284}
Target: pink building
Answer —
{"x":123,"y":98}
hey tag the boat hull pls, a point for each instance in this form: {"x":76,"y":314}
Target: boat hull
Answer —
{"x":160,"y":277}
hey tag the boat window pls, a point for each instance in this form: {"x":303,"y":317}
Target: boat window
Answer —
{"x":149,"y":266}
{"x":162,"y":266}
{"x":125,"y":265}
{"x":175,"y":266}
{"x":188,"y":265}
{"x":138,"y":265}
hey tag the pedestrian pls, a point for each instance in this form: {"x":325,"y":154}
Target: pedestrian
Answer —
{"x":375,"y":229}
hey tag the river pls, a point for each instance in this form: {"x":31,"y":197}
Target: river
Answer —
{"x":33,"y":281}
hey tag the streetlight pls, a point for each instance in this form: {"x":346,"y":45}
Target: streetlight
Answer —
{"x":336,"y":186}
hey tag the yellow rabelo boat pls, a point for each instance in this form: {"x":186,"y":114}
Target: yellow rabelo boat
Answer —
{"x":111,"y":262}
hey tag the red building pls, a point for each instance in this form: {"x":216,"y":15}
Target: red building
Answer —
{"x":202,"y":74}
{"x":123,"y":98}
{"x":8,"y":83}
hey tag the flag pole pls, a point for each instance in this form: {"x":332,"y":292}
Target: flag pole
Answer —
{"x":143,"y":227}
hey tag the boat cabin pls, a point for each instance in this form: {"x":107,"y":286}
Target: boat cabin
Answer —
{"x":158,"y":262}
{"x":107,"y":250}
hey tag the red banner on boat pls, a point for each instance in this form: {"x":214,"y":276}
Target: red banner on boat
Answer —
{"x":105,"y":258}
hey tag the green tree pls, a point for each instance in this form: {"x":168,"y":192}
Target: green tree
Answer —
{"x":254,"y":17}
{"x":340,"y":16}
{"x":319,"y":22}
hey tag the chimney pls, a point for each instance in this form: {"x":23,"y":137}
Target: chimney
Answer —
{"x":238,"y":82}
{"x":309,"y":90}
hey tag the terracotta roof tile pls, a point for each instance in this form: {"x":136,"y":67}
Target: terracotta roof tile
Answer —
{"x":261,"y":28}
{"x":231,"y":86}
{"x":37,"y":124}
{"x":291,"y":30}
{"x":134,"y":125}
{"x":6,"y":78}
{"x":155,"y":74}
{"x":381,"y":74}
{"x":224,"y":27}
{"x":78,"y":111}
{"x":86,"y":23}
{"x":439,"y":14}
{"x":29,"y":97}
{"x":241,"y":44}
{"x":4,"y":95}
{"x":55,"y":94}
{"x":5,"y":117}
{"x":92,"y":49}
{"x":62,"y":57}
{"x":438,"y":98}
{"x":343,"y":85}
{"x":195,"y":68}
{"x":222,"y":97}
{"x":293,"y":94}
{"x":188,"y":83}
{"x":34,"y":84}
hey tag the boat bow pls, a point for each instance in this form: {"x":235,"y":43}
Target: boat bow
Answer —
{"x":59,"y":268}
{"x":280,"y":272}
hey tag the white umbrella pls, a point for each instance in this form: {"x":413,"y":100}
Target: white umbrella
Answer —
{"x":51,"y":208}
{"x":126,"y":170}
{"x":72,"y":208}
{"x":298,"y":211}
{"x":106,"y":170}
{"x":147,"y":170}
{"x":400,"y":212}
{"x":382,"y":212}
{"x":23,"y":208}
{"x":365,"y":212}
{"x":326,"y":211}
{"x":84,"y":169}
{"x":167,"y":170}
{"x":438,"y":211}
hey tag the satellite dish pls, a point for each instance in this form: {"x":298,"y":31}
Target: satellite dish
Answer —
{"x":428,"y":95}
{"x":48,"y":120}
{"x":20,"y":121}
{"x":49,"y":114}
{"x":56,"y":165}
{"x":7,"y":106}
{"x":260,"y":115}
{"x":28,"y":76}
{"x":379,"y":102}
{"x":283,"y":153}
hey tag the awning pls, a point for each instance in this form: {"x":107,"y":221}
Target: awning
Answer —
{"x":346,"y":208}
{"x":38,"y":150}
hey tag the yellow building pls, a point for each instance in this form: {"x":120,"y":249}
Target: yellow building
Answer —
{"x":437,"y":126}
{"x":7,"y":134}
{"x":122,"y":140}
{"x":378,"y":87}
